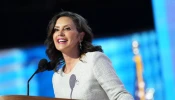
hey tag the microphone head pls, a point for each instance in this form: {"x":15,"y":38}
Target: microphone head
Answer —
{"x":42,"y":66}
{"x":50,"y":66}
{"x":42,"y":62}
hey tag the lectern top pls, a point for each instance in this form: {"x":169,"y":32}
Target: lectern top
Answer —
{"x":24,"y":97}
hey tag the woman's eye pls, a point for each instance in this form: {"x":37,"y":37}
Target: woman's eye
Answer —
{"x":55,"y":30}
{"x":68,"y":28}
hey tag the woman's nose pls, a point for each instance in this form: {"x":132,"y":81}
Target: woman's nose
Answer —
{"x":61,"y":33}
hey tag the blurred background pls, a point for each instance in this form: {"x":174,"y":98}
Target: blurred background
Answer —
{"x":115,"y":24}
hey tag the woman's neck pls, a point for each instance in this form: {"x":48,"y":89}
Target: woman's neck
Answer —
{"x":70,"y":61}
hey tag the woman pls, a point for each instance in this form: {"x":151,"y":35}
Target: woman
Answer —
{"x":86,"y":73}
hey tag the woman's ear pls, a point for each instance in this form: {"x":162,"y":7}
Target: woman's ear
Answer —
{"x":81,"y":36}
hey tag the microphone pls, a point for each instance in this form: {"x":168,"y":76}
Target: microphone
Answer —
{"x":42,"y":66}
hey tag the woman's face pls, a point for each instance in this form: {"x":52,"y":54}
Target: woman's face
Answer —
{"x":66,"y":37}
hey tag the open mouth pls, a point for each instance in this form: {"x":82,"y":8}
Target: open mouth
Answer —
{"x":61,"y":41}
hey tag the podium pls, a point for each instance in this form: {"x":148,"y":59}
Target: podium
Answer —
{"x":24,"y":97}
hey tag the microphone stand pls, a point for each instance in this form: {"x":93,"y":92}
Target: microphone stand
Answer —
{"x":43,"y":65}
{"x":29,"y":81}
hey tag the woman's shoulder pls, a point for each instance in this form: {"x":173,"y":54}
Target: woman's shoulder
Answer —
{"x":93,"y":56}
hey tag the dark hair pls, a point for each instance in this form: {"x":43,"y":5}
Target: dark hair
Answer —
{"x":81,"y":24}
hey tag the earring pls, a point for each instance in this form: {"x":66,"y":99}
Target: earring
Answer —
{"x":80,"y":46}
